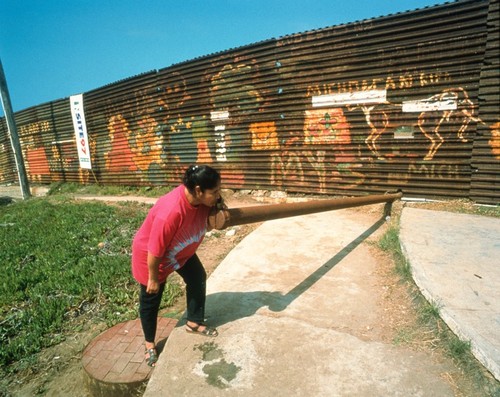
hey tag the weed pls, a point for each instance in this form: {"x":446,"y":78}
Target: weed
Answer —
{"x":403,"y":336}
{"x":389,"y":242}
{"x":429,"y":312}
{"x":458,"y":349}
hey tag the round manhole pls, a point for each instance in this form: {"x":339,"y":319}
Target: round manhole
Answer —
{"x":114,"y":361}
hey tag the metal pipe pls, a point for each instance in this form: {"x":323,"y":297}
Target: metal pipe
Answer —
{"x":14,"y":137}
{"x":240,"y":216}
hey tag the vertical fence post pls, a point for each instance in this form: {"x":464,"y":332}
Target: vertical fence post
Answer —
{"x":14,"y":138}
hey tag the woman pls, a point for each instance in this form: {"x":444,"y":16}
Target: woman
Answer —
{"x":167,"y":242}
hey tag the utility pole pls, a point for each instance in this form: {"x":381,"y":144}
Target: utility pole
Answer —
{"x":14,"y":137}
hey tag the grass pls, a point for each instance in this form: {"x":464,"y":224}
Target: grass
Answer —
{"x":389,"y":242}
{"x":61,"y":259}
{"x":428,"y":313}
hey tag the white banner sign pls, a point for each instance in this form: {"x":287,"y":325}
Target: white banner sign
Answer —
{"x":350,"y":98}
{"x":82,"y":142}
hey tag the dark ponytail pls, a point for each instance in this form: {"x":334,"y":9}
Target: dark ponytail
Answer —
{"x":200,"y":175}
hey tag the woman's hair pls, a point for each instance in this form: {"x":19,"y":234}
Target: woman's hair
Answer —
{"x":200,"y":175}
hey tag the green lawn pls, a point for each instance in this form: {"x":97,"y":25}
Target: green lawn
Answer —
{"x":60,"y":259}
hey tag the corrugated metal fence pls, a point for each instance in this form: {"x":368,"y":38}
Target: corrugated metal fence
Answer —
{"x":409,"y":101}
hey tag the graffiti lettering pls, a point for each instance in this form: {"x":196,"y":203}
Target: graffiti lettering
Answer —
{"x":390,"y":84}
{"x":318,"y":163}
{"x":406,"y":81}
{"x":220,"y":143}
{"x":432,"y":171}
{"x":219,"y":133}
{"x":291,"y":166}
{"x":35,"y":128}
{"x":403,"y":81}
{"x":433,"y":78}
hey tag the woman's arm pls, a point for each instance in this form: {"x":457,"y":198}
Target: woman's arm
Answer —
{"x":153,"y":269}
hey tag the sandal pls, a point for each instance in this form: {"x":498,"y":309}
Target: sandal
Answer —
{"x":153,"y":357}
{"x":207,"y":331}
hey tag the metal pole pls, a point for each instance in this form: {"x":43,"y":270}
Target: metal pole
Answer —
{"x":14,"y":138}
{"x":244,"y":215}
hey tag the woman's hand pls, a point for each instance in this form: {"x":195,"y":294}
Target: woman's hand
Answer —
{"x":220,"y":205}
{"x":153,"y":287}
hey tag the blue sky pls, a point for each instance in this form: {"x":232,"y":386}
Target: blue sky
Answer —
{"x":51,"y":49}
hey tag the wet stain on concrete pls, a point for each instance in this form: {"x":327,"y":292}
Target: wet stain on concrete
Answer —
{"x":219,"y":372}
{"x":210,"y":351}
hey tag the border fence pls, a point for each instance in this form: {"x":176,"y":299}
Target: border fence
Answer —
{"x":406,"y":101}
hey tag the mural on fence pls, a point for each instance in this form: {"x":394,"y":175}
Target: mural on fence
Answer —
{"x":235,"y":101}
{"x":325,"y":152}
{"x":494,"y":141}
{"x":444,"y":117}
{"x":350,"y":134}
{"x":121,"y":157}
{"x":452,"y":105}
{"x":36,"y":161}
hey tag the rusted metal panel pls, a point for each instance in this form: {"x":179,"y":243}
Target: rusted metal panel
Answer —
{"x":387,"y":99}
{"x":485,"y":186}
{"x":408,"y":101}
{"x":48,"y":143}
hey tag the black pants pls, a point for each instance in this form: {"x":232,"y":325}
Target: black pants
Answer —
{"x":195,"y":277}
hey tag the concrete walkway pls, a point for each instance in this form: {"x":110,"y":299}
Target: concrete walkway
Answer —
{"x":283,"y":297}
{"x":455,"y":260}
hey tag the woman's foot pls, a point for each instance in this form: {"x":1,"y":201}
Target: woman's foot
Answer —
{"x":201,"y":329}
{"x":151,"y":354}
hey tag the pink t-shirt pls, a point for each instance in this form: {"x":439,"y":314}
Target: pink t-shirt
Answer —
{"x":172,"y":230}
